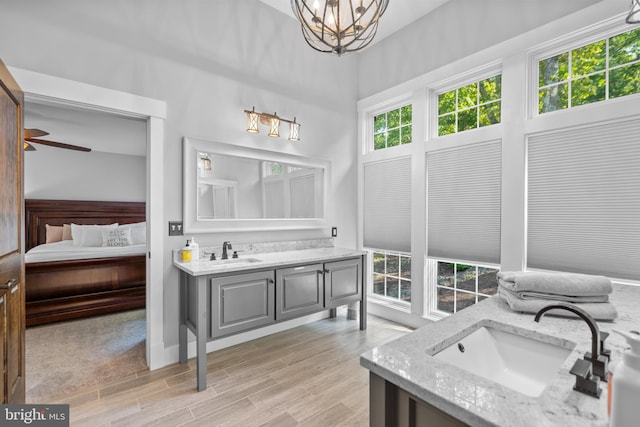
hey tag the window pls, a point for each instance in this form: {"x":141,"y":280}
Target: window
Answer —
{"x":469,"y":107}
{"x":606,"y":69}
{"x":392,"y":275}
{"x":459,"y":285}
{"x":392,"y":128}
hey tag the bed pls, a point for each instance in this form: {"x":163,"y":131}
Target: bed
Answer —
{"x":64,"y":281}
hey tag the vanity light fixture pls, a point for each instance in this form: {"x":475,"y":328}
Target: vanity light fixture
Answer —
{"x":634,"y":13}
{"x":339,"y":26}
{"x":205,"y":165}
{"x":273,"y":121}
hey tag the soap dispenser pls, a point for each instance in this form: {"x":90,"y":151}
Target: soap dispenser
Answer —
{"x":187,"y":253}
{"x":195,"y":249}
{"x":625,"y":411}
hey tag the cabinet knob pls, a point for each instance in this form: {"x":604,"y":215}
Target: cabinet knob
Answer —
{"x":326,"y":270}
{"x":9,"y":284}
{"x":270,"y":281}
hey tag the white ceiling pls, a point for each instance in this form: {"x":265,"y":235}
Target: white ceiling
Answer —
{"x":399,"y":13}
{"x":114,"y":134}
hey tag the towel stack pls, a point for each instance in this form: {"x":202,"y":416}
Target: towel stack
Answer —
{"x":528,"y":292}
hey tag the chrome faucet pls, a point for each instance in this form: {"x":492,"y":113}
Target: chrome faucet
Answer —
{"x":597,"y":360}
{"x":225,"y":246}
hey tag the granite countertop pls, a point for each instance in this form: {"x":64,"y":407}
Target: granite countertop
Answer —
{"x":265,"y":260}
{"x":407,"y":362}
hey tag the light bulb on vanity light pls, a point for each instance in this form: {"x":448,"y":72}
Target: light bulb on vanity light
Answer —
{"x":274,"y":130}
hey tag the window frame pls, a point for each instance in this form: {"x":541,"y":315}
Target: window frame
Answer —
{"x":431,"y":269}
{"x":370,"y":277}
{"x":566,"y":44}
{"x":395,"y":104}
{"x":476,"y":75}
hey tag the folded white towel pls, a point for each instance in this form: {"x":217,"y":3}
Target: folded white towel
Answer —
{"x":578,"y":285}
{"x":551,"y":297}
{"x":599,"y":311}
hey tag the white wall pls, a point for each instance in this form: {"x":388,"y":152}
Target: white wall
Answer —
{"x":454,"y":30}
{"x":55,"y":173}
{"x":209,"y":60}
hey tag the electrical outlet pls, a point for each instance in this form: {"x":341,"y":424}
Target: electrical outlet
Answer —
{"x":334,"y":231}
{"x":175,"y":228}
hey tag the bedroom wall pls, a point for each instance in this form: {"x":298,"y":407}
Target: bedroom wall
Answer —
{"x":54,"y":173}
{"x":209,"y":61}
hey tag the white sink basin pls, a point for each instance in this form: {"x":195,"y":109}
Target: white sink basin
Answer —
{"x":524,"y":364}
{"x":233,"y":261}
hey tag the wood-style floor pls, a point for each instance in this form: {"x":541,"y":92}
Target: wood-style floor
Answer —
{"x":309,"y":376}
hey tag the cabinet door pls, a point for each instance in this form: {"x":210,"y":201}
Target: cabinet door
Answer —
{"x":299,"y":291}
{"x":342,"y":282}
{"x":241,"y":302}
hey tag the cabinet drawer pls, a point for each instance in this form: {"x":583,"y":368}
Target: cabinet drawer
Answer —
{"x":299,"y":291}
{"x":342,"y":282}
{"x":242,"y":302}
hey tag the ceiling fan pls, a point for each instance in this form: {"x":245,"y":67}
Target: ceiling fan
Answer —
{"x":32,"y":135}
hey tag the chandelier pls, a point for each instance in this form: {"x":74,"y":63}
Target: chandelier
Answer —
{"x":634,"y":12}
{"x":339,"y":26}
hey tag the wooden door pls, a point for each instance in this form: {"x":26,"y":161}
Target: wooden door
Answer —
{"x":12,"y":312}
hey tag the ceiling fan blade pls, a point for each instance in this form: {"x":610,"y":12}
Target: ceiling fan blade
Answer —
{"x":28,"y":147}
{"x":58,"y":144}
{"x":34,"y":133}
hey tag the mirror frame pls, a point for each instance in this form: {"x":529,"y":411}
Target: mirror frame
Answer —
{"x":191,"y":223}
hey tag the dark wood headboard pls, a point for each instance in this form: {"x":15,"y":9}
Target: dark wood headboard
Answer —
{"x":39,"y":212}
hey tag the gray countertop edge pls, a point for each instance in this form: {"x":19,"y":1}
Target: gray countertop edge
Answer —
{"x":269,"y":260}
{"x":407,"y":362}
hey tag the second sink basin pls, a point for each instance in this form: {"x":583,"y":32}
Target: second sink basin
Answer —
{"x":522,"y":363}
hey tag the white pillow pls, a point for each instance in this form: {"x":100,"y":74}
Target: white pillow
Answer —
{"x":116,"y":236}
{"x":138,"y":232}
{"x":89,"y":235}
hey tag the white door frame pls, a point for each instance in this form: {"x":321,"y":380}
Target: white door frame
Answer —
{"x":46,"y":89}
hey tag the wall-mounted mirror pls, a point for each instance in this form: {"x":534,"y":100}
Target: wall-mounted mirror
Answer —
{"x":233,"y":188}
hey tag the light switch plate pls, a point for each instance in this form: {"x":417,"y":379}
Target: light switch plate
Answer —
{"x":175,"y":228}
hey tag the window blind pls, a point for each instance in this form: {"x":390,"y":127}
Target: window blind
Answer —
{"x":387,"y":205}
{"x":584,"y":200}
{"x":463,"y":203}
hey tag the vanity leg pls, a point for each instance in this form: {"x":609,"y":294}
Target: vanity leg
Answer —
{"x":201,"y":332}
{"x":363,"y":290}
{"x":332,"y":313}
{"x":182,"y":329}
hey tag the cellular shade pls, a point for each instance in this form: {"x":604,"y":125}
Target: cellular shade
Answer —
{"x":463,"y":203}
{"x":583,"y":204}
{"x":387,"y":205}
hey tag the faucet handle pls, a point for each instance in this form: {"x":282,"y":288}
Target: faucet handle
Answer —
{"x":585,"y":382}
{"x":604,"y":351}
{"x":600,"y":365}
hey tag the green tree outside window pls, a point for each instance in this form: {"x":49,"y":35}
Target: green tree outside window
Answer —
{"x":475,"y":105}
{"x":595,"y":72}
{"x":393,"y":128}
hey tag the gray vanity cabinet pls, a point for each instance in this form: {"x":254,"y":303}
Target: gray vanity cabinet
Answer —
{"x":299,"y":291}
{"x":241,"y":302}
{"x":342,"y":282}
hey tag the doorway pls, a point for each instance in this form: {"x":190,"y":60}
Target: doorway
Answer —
{"x":44,"y":89}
